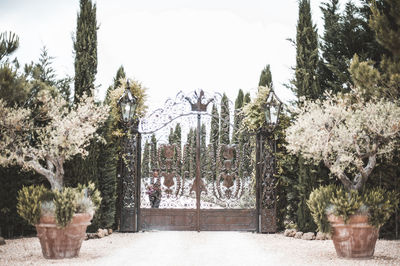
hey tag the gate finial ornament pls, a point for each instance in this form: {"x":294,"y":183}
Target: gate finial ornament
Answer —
{"x":199,"y":106}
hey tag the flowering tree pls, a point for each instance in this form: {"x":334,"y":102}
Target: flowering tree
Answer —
{"x":44,"y":146}
{"x":347,"y":133}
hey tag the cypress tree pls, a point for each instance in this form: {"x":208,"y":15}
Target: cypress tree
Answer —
{"x":178,"y":135}
{"x":153,"y":153}
{"x":306,"y":85}
{"x":225,"y":121}
{"x":247,"y":98}
{"x":306,"y":81}
{"x":214,"y":129}
{"x":107,"y":176}
{"x":85,"y":47}
{"x":237,"y":117}
{"x":146,"y":160}
{"x":171,"y":136}
{"x":266,"y":77}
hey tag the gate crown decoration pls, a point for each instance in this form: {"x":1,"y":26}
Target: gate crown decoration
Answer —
{"x":215,"y":192}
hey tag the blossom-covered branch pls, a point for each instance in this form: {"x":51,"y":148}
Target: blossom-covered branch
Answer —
{"x":44,"y":147}
{"x":347,"y":133}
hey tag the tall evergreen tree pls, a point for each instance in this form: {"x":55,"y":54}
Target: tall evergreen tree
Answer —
{"x":237,"y":116}
{"x":224,"y":121}
{"x":306,"y":85}
{"x":333,"y":73}
{"x":178,"y":135}
{"x":153,"y":153}
{"x":306,"y":80}
{"x":266,"y":77}
{"x":146,"y":160}
{"x":85,"y":47}
{"x":214,"y":129}
{"x":9,"y":43}
{"x":116,"y":82}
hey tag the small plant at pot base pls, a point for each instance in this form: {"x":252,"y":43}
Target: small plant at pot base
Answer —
{"x":36,"y":201}
{"x":377,"y":203}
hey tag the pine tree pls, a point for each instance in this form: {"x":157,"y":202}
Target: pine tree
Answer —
{"x":237,"y":117}
{"x":85,"y":47}
{"x":9,"y":43}
{"x":306,"y":80}
{"x":333,"y":71}
{"x":224,"y":121}
{"x":266,"y":77}
{"x":386,"y":24}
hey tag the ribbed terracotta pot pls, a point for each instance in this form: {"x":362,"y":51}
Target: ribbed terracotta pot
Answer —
{"x":354,"y":239}
{"x":60,"y":243}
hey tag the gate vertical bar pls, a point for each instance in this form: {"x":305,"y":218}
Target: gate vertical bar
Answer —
{"x":258,"y":179}
{"x":138,"y":178}
{"x":198,"y":189}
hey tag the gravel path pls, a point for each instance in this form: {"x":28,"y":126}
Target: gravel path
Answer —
{"x":192,"y":248}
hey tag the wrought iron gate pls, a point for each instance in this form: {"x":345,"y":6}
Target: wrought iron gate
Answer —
{"x":203,"y":185}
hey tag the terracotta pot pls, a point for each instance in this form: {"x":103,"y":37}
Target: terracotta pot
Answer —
{"x":356,"y":239}
{"x":59,"y":243}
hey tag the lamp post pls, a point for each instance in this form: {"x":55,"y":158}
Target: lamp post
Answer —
{"x":266,"y":165}
{"x":129,"y":181}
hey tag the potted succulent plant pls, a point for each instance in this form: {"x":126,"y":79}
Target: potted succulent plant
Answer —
{"x":348,"y":133}
{"x":42,"y":139}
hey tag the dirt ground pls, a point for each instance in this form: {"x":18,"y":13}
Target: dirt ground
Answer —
{"x":192,"y":248}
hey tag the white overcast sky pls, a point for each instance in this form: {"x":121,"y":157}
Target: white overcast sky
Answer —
{"x":214,"y":45}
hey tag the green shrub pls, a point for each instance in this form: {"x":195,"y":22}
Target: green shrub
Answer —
{"x":377,"y":203}
{"x":65,"y":202}
{"x":320,"y":199}
{"x":29,"y":203}
{"x":346,"y":203}
{"x":91,"y":192}
{"x":381,"y":204}
{"x":35,"y":201}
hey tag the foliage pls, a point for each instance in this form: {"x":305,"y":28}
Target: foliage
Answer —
{"x":65,"y":202}
{"x":306,"y":79}
{"x":346,"y":203}
{"x":146,"y":160}
{"x":85,"y":48}
{"x":266,"y":77}
{"x":29,"y":203}
{"x":377,"y":203}
{"x":347,"y":133}
{"x":214,"y":129}
{"x":224,"y":121}
{"x":319,"y":200}
{"x":253,"y":112}
{"x":64,"y":134}
{"x":8,"y":44}
{"x":34,"y":201}
{"x":381,"y":205}
{"x":237,"y":117}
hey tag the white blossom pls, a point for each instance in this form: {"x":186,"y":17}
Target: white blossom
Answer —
{"x":347,"y":133}
{"x":44,"y":149}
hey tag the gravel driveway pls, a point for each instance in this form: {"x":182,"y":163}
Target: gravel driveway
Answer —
{"x":192,"y":248}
